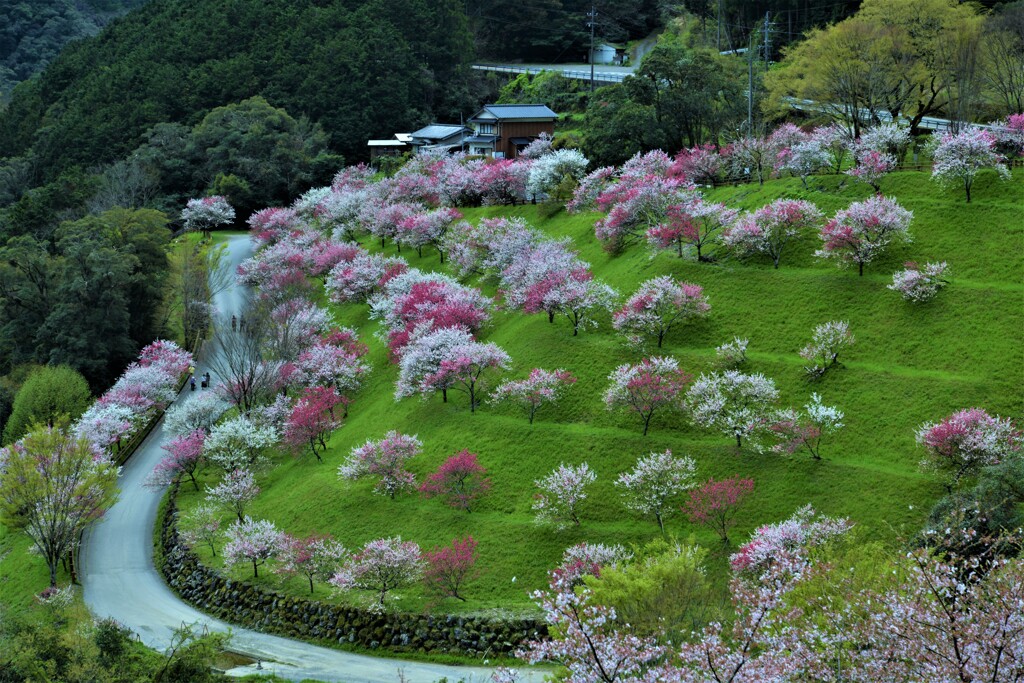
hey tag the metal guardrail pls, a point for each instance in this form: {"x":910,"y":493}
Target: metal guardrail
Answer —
{"x":599,"y":76}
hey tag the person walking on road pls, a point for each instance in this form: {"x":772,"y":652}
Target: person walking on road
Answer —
{"x":234,"y":323}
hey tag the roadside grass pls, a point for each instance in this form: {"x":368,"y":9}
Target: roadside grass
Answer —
{"x":911,"y":364}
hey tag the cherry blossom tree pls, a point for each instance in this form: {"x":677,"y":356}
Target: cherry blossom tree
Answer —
{"x":54,"y":485}
{"x":797,"y":429}
{"x":104,"y":425}
{"x":333,"y":362}
{"x":196,"y":412}
{"x":202,"y":525}
{"x":313,"y":557}
{"x":360,"y":278}
{"x":828,"y":340}
{"x":381,"y":566}
{"x":891,"y":139}
{"x":862,"y":231}
{"x":561,"y":494}
{"x":770,"y":228}
{"x":448,"y":568}
{"x":693,"y":223}
{"x":255,"y":541}
{"x":916,"y":283}
{"x":659,"y":304}
{"x":427,"y":228}
{"x":463,"y":367}
{"x":734,"y":403}
{"x":655,"y":481}
{"x":271,"y":225}
{"x":635,"y":205}
{"x":835,"y":140}
{"x":460,"y":481}
{"x":771,"y":543}
{"x":167,"y":356}
{"x":1009,"y":135}
{"x":312,"y":420}
{"x":142,"y":389}
{"x":236,"y":490}
{"x":422,"y":357}
{"x":549,"y":170}
{"x":502,"y":181}
{"x":184,"y":454}
{"x":957,"y":157}
{"x":541,"y":387}
{"x":701,"y":164}
{"x":715,"y":504}
{"x":239,"y":443}
{"x":804,"y":158}
{"x":538,"y":147}
{"x":751,"y":155}
{"x":964,"y":442}
{"x":207,"y":213}
{"x":386,"y":460}
{"x":871,"y":166}
{"x":647,"y":387}
{"x":733,"y":353}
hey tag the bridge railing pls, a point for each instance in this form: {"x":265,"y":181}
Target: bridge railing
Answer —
{"x":577,"y":74}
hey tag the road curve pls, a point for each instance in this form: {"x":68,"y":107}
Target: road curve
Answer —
{"x":120,"y":580}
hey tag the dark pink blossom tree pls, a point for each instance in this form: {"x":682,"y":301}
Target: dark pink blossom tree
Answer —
{"x":312,"y":420}
{"x":448,"y":568}
{"x":694,"y":223}
{"x":715,"y":504}
{"x":651,"y":385}
{"x":460,"y":481}
{"x":184,"y":455}
{"x":966,"y":441}
{"x":862,"y":231}
{"x":770,"y":228}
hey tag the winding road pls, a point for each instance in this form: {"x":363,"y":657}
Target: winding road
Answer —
{"x":120,"y":580}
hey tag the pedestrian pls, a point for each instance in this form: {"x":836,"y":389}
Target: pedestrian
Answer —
{"x":241,"y":323}
{"x":207,"y":376}
{"x":192,"y":383}
{"x":234,"y":323}
{"x":191,"y":371}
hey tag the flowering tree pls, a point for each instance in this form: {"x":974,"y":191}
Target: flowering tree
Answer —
{"x":358,"y":279}
{"x":333,"y":362}
{"x":635,"y":204}
{"x":502,"y":181}
{"x":835,"y":140}
{"x":542,"y":386}
{"x":202,"y":525}
{"x":561,"y":494}
{"x":236,"y":490}
{"x":167,"y":356}
{"x":650,"y":385}
{"x":658,"y":305}
{"x":255,"y":541}
{"x":552,"y":169}
{"x":919,"y":284}
{"x":207,"y":213}
{"x":966,"y":441}
{"x":701,"y":164}
{"x":733,"y":353}
{"x":142,"y":389}
{"x":692,"y":223}
{"x":887,"y":138}
{"x":871,"y":166}
{"x":715,"y":504}
{"x":312,"y":420}
{"x":313,"y":557}
{"x":804,"y":158}
{"x":196,"y":412}
{"x":460,"y":481}
{"x":1009,"y":135}
{"x":828,"y":340}
{"x":751,"y":155}
{"x":381,"y":566}
{"x":448,"y":568}
{"x":386,"y":460}
{"x":427,"y":228}
{"x":104,"y":425}
{"x":239,"y":443}
{"x":54,"y":485}
{"x":770,"y":228}
{"x":860,"y":232}
{"x":772,"y":543}
{"x":463,"y":368}
{"x":957,"y":158}
{"x":734,"y":403}
{"x":798,"y":430}
{"x":422,"y":358}
{"x":655,"y":480}
{"x":184,"y":453}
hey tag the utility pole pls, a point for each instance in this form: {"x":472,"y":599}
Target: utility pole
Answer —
{"x":750,"y":87}
{"x":593,"y":21}
{"x":718,"y":22}
{"x":767,"y":38}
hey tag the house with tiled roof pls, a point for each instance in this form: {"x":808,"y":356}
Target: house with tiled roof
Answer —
{"x":503,"y":130}
{"x":447,"y":137}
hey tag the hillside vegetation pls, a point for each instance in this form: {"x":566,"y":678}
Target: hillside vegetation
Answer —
{"x":910,"y":364}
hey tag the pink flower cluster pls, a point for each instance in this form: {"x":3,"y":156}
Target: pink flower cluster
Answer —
{"x":659,"y":304}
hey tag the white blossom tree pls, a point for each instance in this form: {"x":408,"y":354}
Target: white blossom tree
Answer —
{"x":655,"y":480}
{"x":733,"y":403}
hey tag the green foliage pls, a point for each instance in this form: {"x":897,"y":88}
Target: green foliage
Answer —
{"x":561,"y":94}
{"x":48,"y":394}
{"x":662,"y":590}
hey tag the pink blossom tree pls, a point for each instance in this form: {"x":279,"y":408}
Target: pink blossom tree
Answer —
{"x":694,"y":223}
{"x":964,"y":442}
{"x":769,"y":229}
{"x":427,"y":229}
{"x":805,"y":429}
{"x":1009,"y":135}
{"x":651,"y":385}
{"x":541,"y":387}
{"x":255,"y":541}
{"x":836,"y":141}
{"x":751,"y":156}
{"x":701,"y":164}
{"x":333,"y":361}
{"x":105,"y":425}
{"x":448,"y":568}
{"x":635,"y":204}
{"x":184,"y":454}
{"x":358,"y":279}
{"x":654,"y":482}
{"x":235,"y":491}
{"x":422,"y":357}
{"x":658,"y":305}
{"x":827,"y":342}
{"x":431,"y":303}
{"x":460,"y":481}
{"x":313,"y":557}
{"x":957,"y":158}
{"x":916,"y":283}
{"x":202,"y":525}
{"x":862,"y":231}
{"x":502,"y":181}
{"x":464,"y":367}
{"x":312,"y":420}
{"x":207,"y":213}
{"x":715,"y":504}
{"x":381,"y":566}
{"x":773,"y":543}
{"x":871,"y":166}
{"x":804,"y":158}
{"x":386,"y":460}
{"x":561,"y":494}
{"x":736,"y":404}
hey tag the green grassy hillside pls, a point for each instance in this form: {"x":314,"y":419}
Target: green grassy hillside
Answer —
{"x":911,"y":363}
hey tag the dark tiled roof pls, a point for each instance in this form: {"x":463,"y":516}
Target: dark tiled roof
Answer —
{"x":437,"y":131}
{"x":520,"y":111}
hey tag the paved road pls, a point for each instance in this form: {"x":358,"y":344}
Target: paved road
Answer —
{"x":120,"y":580}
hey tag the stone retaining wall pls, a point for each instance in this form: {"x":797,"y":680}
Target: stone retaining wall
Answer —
{"x":252,"y":607}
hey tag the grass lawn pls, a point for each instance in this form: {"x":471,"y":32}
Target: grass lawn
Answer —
{"x":911,"y":364}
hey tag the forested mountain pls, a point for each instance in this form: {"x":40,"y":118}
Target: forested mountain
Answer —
{"x":32,"y":33}
{"x":358,"y":68}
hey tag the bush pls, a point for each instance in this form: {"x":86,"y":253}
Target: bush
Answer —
{"x":47,"y":394}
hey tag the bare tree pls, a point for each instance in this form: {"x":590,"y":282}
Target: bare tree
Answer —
{"x":241,"y":366}
{"x":198,"y":273}
{"x":1003,"y":66}
{"x":126,"y":183}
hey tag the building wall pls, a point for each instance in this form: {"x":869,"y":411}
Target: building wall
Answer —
{"x":526,"y":129}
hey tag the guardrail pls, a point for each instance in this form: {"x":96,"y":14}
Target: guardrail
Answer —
{"x":599,"y":76}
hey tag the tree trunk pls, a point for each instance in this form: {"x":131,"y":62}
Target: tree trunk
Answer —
{"x":310,"y":584}
{"x":861,"y":268}
{"x":551,"y":316}
{"x":647,"y":422}
{"x":255,"y":570}
{"x":739,"y":441}
{"x":444,"y":396}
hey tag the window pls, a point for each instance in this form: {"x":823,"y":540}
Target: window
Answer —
{"x":485,"y":128}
